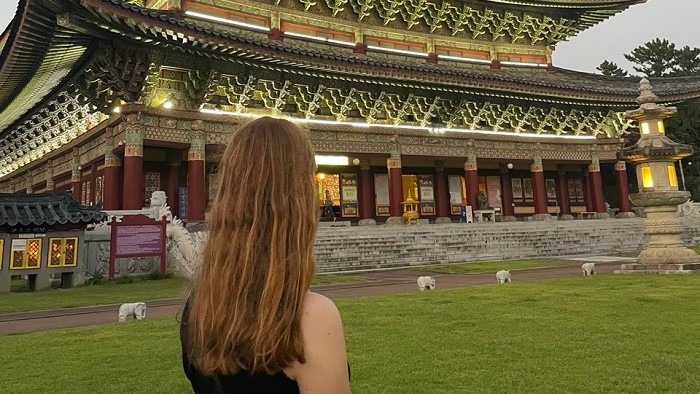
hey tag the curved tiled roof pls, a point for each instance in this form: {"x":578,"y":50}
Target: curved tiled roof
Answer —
{"x":37,"y":57}
{"x":54,"y":209}
{"x":38,"y":70}
{"x":523,"y":81}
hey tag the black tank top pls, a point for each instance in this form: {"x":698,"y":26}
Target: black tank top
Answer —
{"x":241,"y":383}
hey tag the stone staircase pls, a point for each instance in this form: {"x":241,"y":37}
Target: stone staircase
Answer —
{"x":384,"y":247}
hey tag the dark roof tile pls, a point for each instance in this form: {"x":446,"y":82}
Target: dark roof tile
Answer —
{"x":47,"y":209}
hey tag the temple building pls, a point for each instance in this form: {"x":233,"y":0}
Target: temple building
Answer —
{"x":449,"y":103}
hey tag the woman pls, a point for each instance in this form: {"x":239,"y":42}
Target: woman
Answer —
{"x":250,"y":324}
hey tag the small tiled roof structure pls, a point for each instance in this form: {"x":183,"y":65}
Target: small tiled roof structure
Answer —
{"x":46,"y":210}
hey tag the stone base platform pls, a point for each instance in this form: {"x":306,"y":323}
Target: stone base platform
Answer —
{"x":691,"y":268}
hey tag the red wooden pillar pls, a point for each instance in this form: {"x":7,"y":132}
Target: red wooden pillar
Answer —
{"x":442,"y":196}
{"x":596,"y":185}
{"x":134,"y":182}
{"x":539,"y":189}
{"x":623,"y":192}
{"x":393,"y":165}
{"x":507,"y":209}
{"x":563,"y":198}
{"x":75,"y":180}
{"x":366,"y":195}
{"x":92,"y":198}
{"x":173,"y":189}
{"x":587,"y":191}
{"x":112,"y":182}
{"x":471,"y":180}
{"x":196,"y":203}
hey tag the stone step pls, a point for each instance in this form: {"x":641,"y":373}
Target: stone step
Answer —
{"x":381,"y":246}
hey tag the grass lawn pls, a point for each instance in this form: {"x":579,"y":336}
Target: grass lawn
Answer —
{"x":600,"y":334}
{"x":109,"y":293}
{"x":114,"y":293}
{"x":486,"y":266}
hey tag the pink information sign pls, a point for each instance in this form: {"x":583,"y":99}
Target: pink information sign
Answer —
{"x":137,"y":236}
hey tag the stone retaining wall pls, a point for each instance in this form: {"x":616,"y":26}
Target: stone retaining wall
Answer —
{"x":381,"y":247}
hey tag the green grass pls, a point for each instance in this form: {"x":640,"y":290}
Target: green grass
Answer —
{"x":487,"y":266}
{"x":601,"y":334}
{"x":109,"y":293}
{"x":336,"y":279}
{"x":129,"y":288}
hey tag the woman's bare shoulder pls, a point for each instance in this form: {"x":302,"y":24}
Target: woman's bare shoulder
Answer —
{"x":325,"y":369}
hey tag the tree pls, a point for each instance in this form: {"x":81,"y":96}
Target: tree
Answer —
{"x":684,"y":127}
{"x":656,"y":58}
{"x":687,"y":62}
{"x":611,"y":69}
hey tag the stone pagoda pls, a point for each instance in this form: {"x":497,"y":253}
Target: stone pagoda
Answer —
{"x":654,"y":156}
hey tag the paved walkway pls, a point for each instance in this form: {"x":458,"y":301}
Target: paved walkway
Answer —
{"x":382,"y":282}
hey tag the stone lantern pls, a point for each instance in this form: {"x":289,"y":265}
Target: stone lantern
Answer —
{"x":654,"y":156}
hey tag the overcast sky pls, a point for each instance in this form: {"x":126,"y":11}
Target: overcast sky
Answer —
{"x":675,"y":20}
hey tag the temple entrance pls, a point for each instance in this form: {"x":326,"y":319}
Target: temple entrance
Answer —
{"x":410,"y":187}
{"x":328,"y":186}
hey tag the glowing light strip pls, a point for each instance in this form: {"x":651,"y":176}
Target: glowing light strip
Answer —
{"x":399,"y":51}
{"x":506,"y":63}
{"x":321,"y":39}
{"x":433,"y":130}
{"x":227,"y":21}
{"x":464,"y":59}
{"x":323,"y":160}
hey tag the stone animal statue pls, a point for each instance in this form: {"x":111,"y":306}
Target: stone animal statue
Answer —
{"x":588,"y":269}
{"x":135,"y":309}
{"x":503,"y":276}
{"x":426,"y":282}
{"x":185,"y":246}
{"x":410,"y":215}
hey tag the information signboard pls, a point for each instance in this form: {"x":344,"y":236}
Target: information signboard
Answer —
{"x":137,"y":236}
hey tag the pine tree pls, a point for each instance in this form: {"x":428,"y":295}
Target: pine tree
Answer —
{"x":611,"y":69}
{"x":687,"y":62}
{"x":656,"y":58}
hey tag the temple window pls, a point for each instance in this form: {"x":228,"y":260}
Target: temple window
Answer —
{"x":152,"y":184}
{"x":63,"y":252}
{"x":26,"y":253}
{"x":575,"y":189}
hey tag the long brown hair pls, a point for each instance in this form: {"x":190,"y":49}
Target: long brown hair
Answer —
{"x":246,"y":304}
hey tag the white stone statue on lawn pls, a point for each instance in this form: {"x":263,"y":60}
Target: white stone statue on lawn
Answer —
{"x":426,"y":282}
{"x":503,"y":276}
{"x":137,"y":310}
{"x":588,"y":269}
